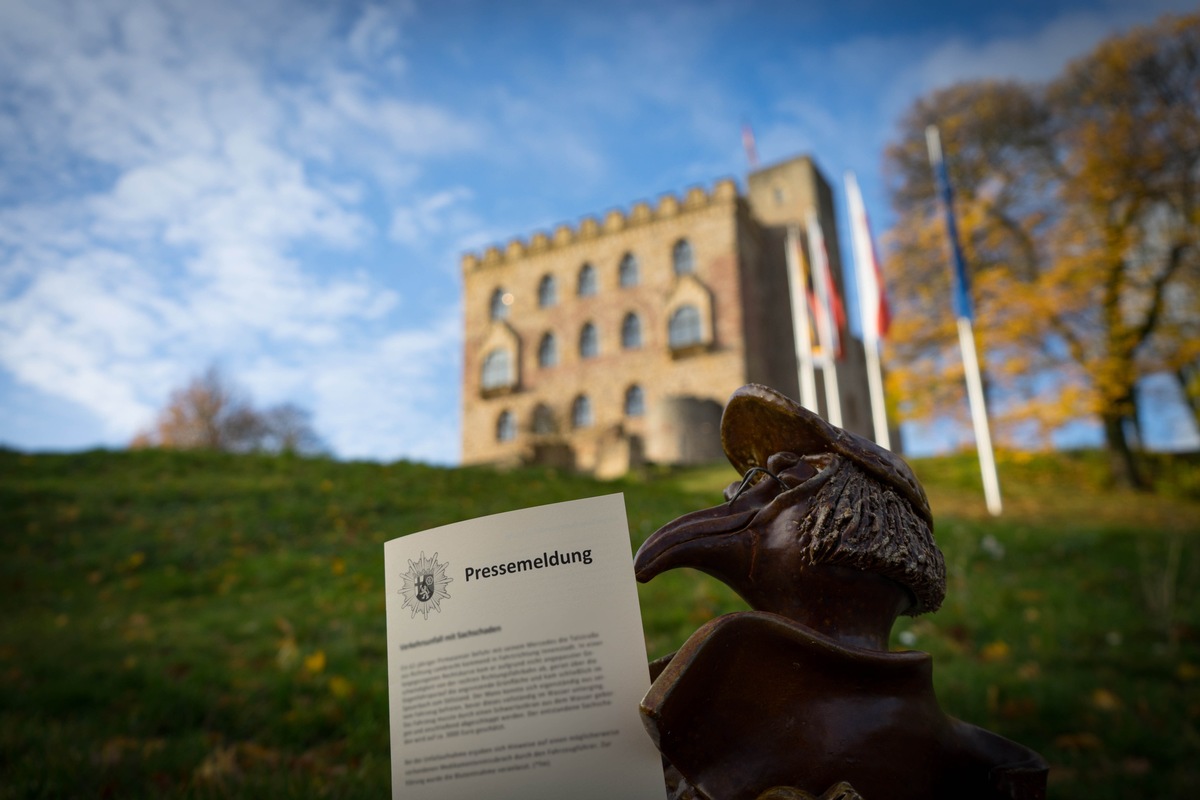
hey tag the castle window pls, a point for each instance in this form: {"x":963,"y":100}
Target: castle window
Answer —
{"x":547,"y":292}
{"x":631,"y":332}
{"x":498,"y":307}
{"x":581,"y":412}
{"x":548,"y":351}
{"x":628,"y":271}
{"x":497,"y":370}
{"x":506,"y":427}
{"x":681,"y":258}
{"x":587,"y":281}
{"x":543,"y":419}
{"x":684,"y":328}
{"x":589,"y":341}
{"x":635,"y":401}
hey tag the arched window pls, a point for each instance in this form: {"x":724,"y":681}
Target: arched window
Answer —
{"x":547,"y":292}
{"x":628,"y":271}
{"x":581,"y":412}
{"x":548,"y":351}
{"x":587,"y":280}
{"x":543,"y":419}
{"x":681,"y":258}
{"x":497,"y":369}
{"x":498,"y":307}
{"x":631,"y":332}
{"x":506,"y":427}
{"x":589,"y":341}
{"x":684,"y":327}
{"x":635,"y":401}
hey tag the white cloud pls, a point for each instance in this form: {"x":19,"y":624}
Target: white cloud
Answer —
{"x":189,"y":209}
{"x":375,"y":38}
{"x":1033,"y":56}
{"x":436,"y":214}
{"x":377,"y":395}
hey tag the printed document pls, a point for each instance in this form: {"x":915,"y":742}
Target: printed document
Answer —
{"x":516,"y":659}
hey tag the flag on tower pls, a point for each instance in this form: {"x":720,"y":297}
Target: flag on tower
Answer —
{"x":830,"y":315}
{"x":872,"y":307}
{"x":872,"y":293}
{"x":749,"y":146}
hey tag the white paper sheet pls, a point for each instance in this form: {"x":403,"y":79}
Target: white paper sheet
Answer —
{"x":516,"y":658}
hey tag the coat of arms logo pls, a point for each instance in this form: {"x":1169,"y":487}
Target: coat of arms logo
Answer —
{"x":424,"y":586}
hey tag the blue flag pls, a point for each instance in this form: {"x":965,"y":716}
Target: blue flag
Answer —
{"x":962,"y":284}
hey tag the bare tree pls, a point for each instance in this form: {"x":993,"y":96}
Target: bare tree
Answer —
{"x":289,"y":430}
{"x":212,"y":413}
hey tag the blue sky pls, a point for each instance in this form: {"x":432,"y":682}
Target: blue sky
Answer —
{"x":284,"y":188}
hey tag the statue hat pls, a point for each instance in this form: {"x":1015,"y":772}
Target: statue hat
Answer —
{"x":759,"y":422}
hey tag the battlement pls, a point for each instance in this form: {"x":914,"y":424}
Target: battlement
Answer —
{"x":641,"y":213}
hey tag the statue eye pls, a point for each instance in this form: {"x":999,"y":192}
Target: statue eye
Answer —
{"x":752,"y":476}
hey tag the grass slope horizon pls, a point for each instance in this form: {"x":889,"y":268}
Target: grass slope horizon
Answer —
{"x":210,"y":625}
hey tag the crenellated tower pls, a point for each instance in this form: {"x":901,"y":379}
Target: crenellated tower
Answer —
{"x":616,"y":341}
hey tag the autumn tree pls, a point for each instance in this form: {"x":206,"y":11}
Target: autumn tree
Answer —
{"x":1077,"y":202}
{"x":212,"y":413}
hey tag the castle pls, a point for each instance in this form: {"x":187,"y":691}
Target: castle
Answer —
{"x":617,"y":342}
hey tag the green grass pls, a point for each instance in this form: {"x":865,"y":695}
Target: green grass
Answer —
{"x":206,"y":625}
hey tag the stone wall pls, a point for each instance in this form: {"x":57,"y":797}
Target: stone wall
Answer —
{"x":712,"y":369}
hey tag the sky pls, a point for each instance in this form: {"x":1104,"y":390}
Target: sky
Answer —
{"x":285,"y":189}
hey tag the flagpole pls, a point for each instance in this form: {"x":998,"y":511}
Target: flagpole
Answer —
{"x":801,"y":332}
{"x":966,"y":332}
{"x":870,"y":293}
{"x":983,"y":436}
{"x":819,"y":259}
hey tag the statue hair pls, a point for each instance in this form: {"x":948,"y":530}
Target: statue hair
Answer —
{"x":858,"y":522}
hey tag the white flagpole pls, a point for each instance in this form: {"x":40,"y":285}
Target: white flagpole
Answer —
{"x":820,"y":269}
{"x":966,"y":332}
{"x":983,"y":435}
{"x":869,"y":293}
{"x":801,"y":332}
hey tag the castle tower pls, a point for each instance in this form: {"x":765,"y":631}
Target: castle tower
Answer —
{"x":618,"y":340}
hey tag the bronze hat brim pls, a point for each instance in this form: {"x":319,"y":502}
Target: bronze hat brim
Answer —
{"x":759,"y":422}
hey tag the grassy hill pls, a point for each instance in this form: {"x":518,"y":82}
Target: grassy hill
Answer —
{"x":198,"y":624}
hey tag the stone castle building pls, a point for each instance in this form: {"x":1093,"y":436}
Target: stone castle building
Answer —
{"x":616,"y":342}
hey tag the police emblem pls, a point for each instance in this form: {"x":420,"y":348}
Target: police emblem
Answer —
{"x":424,"y":585}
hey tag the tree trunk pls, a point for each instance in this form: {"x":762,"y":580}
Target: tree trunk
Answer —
{"x":1122,"y":464}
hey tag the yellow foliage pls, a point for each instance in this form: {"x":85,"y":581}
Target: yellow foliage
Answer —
{"x":1076,"y":209}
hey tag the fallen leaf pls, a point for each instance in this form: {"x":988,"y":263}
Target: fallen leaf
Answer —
{"x":315,"y":663}
{"x":340,"y":687}
{"x":218,"y":765}
{"x":1105,"y":700}
{"x":1078,"y":741}
{"x":995,"y":651}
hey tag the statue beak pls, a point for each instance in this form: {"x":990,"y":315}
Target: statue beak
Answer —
{"x":701,"y":539}
{"x":722,"y":540}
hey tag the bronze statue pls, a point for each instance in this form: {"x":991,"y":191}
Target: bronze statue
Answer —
{"x":829,"y":538}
